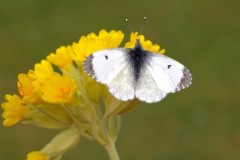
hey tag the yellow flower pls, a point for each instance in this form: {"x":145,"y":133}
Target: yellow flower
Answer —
{"x":62,"y":58}
{"x":146,"y":44}
{"x":28,"y":88}
{"x":29,"y":85}
{"x":36,"y":155}
{"x":58,"y":89}
{"x":91,"y":43}
{"x":14,"y":110}
{"x":112,"y":39}
{"x":41,"y":71}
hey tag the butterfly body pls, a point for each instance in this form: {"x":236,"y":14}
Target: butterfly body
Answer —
{"x":137,"y":58}
{"x":137,"y":73}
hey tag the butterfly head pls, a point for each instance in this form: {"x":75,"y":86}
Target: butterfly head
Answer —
{"x":138,"y":45}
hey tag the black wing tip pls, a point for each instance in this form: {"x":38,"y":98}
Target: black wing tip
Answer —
{"x":88,"y":66}
{"x":185,"y":81}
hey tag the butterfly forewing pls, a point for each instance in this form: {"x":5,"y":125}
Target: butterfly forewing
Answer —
{"x":112,"y":67}
{"x":166,"y":74}
{"x":104,"y":65}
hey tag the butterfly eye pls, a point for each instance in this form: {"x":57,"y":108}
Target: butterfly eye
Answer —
{"x":106,"y":57}
{"x":169,"y":66}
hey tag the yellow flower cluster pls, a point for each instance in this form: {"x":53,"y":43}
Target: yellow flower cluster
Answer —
{"x":92,"y":42}
{"x":68,"y":98}
{"x":146,"y":44}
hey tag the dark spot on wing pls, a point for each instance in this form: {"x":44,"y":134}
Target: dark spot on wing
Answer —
{"x":169,"y":66}
{"x":106,"y":57}
{"x":88,"y":67}
{"x":185,"y":81}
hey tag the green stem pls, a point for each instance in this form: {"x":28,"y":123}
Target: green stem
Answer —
{"x":111,"y":150}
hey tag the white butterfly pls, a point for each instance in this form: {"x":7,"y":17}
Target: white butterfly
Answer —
{"x":137,"y":73}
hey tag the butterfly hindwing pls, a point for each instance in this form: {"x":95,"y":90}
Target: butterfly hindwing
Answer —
{"x":146,"y":88}
{"x":111,"y":67}
{"x":122,"y":86}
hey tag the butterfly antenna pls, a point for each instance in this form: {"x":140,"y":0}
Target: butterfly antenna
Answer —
{"x":144,"y":20}
{"x":129,"y":24}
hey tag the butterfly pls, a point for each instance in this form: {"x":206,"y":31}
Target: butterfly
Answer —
{"x":137,"y":73}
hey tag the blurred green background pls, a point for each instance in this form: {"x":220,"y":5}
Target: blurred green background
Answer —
{"x":199,"y":123}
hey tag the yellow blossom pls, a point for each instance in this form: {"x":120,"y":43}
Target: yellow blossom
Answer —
{"x":25,"y":86}
{"x":112,"y":39}
{"x":146,"y":44}
{"x":41,"y":71}
{"x":29,"y":84}
{"x":84,"y":47}
{"x":36,"y":155}
{"x":28,"y":88}
{"x":14,"y":110}
{"x":58,"y":89}
{"x":62,"y":58}
{"x":91,"y":43}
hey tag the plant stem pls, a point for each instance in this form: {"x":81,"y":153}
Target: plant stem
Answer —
{"x":111,"y":150}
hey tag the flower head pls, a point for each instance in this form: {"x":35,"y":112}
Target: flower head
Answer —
{"x":146,"y":44}
{"x":62,"y":58}
{"x":58,"y":89}
{"x":92,"y":42}
{"x":68,"y":98}
{"x":111,"y":39}
{"x":29,"y":88}
{"x":14,"y":110}
{"x":41,"y":71}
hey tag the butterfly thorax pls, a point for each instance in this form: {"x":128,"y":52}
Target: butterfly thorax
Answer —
{"x":137,"y":56}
